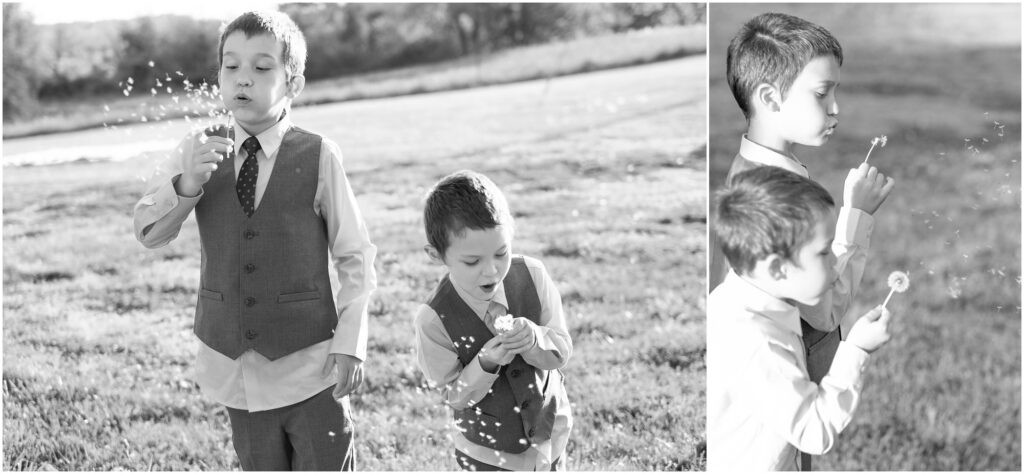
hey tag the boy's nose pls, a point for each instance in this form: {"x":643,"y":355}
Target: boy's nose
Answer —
{"x":834,"y":108}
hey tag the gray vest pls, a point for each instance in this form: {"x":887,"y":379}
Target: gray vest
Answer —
{"x":520,"y":408}
{"x":264,"y":283}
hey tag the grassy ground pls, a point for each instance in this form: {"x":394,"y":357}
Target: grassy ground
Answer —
{"x":605,"y":173}
{"x":945,"y":393}
{"x":153,"y":102}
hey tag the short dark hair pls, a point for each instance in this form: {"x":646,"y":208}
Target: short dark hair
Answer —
{"x":464,"y":199}
{"x":767,"y":210}
{"x":276,"y":24}
{"x":773,"y":48}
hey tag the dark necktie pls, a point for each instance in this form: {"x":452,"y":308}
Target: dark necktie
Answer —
{"x":246,"y":184}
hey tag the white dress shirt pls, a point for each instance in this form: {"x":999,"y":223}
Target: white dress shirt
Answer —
{"x":252,"y":382}
{"x":762,"y":406}
{"x":463,"y":387}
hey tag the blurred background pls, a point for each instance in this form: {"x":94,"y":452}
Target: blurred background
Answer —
{"x":943,"y":83}
{"x":63,"y":71}
{"x":590,"y":117}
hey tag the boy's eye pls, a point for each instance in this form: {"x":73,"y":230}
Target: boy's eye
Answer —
{"x":502,"y":254}
{"x":471,"y":263}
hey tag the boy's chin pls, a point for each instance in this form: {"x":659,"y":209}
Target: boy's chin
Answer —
{"x":814,"y":142}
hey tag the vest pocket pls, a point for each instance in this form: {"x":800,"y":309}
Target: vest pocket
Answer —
{"x":211,"y":295}
{"x":303,"y":296}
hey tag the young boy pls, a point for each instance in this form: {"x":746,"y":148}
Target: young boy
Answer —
{"x":784,"y":72}
{"x":501,"y":378}
{"x":277,"y":347}
{"x":776,"y":229}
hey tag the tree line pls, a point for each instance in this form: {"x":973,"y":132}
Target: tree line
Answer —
{"x":77,"y":60}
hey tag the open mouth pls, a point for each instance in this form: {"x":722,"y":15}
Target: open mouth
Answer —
{"x":488,"y":287}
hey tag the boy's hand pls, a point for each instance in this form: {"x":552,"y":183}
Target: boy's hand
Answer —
{"x":871,"y":331}
{"x":494,"y":355}
{"x":521,"y":338}
{"x":197,"y":168}
{"x":350,"y":373}
{"x":866,"y":189}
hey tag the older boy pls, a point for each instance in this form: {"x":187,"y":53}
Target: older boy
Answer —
{"x":784,"y":72}
{"x":503,"y":384}
{"x":273,"y":337}
{"x":775,"y":227}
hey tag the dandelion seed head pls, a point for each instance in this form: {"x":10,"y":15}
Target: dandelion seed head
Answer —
{"x":899,"y":281}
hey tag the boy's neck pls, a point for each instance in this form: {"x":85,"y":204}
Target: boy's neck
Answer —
{"x":253,"y":132}
{"x":763,"y":135}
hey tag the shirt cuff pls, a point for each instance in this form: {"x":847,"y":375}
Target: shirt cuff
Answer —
{"x":855,"y":225}
{"x":475,"y":380}
{"x":543,"y":342}
{"x":848,"y":365}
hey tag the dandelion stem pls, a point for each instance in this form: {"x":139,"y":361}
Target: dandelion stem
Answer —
{"x":869,"y":151}
{"x":891,"y":291}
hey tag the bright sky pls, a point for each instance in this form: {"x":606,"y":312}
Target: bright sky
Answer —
{"x":63,"y":11}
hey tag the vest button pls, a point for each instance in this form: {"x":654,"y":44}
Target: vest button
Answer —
{"x":515,"y":373}
{"x":249,"y":268}
{"x":532,"y":432}
{"x":250,"y":301}
{"x":250,"y":234}
{"x":526,"y":404}
{"x":250,"y":334}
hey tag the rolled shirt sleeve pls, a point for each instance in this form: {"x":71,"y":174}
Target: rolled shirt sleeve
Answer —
{"x":462,"y":387}
{"x":158,"y":216}
{"x":850,"y":245}
{"x":808,"y":415}
{"x":352,"y":253}
{"x":554,"y":345}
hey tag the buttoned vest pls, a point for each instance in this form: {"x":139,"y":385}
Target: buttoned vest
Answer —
{"x":520,"y":408}
{"x":264,"y":281}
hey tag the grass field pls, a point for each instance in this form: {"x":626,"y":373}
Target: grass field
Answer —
{"x":152,"y":102}
{"x":945,"y":393}
{"x":604,"y":171}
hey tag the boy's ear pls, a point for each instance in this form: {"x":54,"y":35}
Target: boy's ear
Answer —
{"x":295,"y":85}
{"x":435,"y":256}
{"x":767,"y":97}
{"x":777,"y":267}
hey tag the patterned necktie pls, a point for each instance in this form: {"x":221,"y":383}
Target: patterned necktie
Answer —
{"x":246,"y":184}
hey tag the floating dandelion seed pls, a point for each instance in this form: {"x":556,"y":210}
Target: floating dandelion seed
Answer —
{"x":898,"y":283}
{"x":882,"y":140}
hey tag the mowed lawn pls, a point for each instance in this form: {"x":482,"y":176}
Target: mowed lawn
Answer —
{"x":606,"y":176}
{"x":944,"y":394}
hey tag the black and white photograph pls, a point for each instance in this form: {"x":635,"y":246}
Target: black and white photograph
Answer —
{"x":356,"y":236}
{"x":864,"y":237}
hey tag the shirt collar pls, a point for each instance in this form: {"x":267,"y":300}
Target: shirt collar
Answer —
{"x":757,"y":302}
{"x":480,"y":306}
{"x":270,"y":139}
{"x":766,"y":156}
